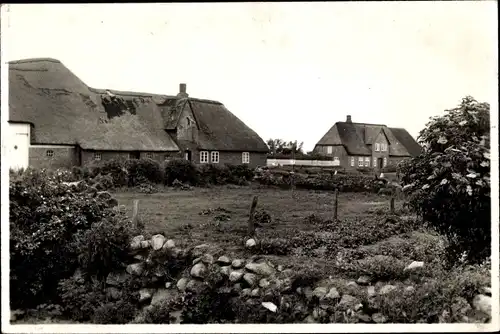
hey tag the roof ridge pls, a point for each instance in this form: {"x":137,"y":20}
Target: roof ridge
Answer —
{"x":204,"y":100}
{"x":362,"y":123}
{"x":34,"y":60}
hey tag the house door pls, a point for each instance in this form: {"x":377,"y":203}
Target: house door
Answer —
{"x":380,"y":163}
{"x":187,"y":155}
{"x":19,"y":151}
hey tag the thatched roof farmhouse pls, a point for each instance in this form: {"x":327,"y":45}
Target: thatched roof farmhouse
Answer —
{"x":57,"y":120}
{"x":354,"y":145}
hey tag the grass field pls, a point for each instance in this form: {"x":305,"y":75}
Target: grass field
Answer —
{"x":177,"y":215}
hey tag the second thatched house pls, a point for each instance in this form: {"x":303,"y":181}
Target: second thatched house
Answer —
{"x":56,"y":120}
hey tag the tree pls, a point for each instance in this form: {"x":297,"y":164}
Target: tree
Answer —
{"x":279,"y":146}
{"x":449,"y":183}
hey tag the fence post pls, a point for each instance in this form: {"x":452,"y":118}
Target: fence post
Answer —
{"x":392,"y":203}
{"x":136,"y":219}
{"x":251,"y":222}
{"x":335,"y":204}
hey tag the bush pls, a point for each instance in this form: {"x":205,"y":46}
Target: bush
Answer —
{"x":144,"y":169}
{"x":449,"y":183}
{"x":45,"y":215}
{"x":214,"y":174}
{"x":119,"y":312}
{"x":182,"y":170}
{"x":80,"y":298}
{"x":116,"y":168}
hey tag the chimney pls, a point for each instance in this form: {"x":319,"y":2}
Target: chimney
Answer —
{"x":182,"y":90}
{"x":349,"y":119}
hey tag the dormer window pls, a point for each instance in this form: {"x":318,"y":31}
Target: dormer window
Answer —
{"x":377,"y":147}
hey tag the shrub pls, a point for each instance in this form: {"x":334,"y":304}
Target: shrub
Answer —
{"x":45,"y":215}
{"x":449,"y":183}
{"x":214,"y":174}
{"x":119,"y":312}
{"x":241,"y":172}
{"x":104,"y":246}
{"x":80,"y":298}
{"x":115,"y":168}
{"x":144,"y":169}
{"x":182,"y":170}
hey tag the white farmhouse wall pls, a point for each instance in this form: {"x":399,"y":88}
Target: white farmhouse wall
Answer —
{"x":18,"y":144}
{"x":287,"y":162}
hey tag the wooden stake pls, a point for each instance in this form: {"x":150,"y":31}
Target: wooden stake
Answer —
{"x":251,"y":222}
{"x":136,"y":220}
{"x":335,"y":203}
{"x":392,"y":204}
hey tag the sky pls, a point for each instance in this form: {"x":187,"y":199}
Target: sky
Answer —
{"x":288,"y":70}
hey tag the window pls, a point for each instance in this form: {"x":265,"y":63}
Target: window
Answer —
{"x":383,"y":147}
{"x":367,"y":162}
{"x":214,"y":157}
{"x":377,"y":147}
{"x":329,"y":149}
{"x":49,"y":153}
{"x":204,"y":157}
{"x":374,"y":162}
{"x":385,"y":162}
{"x":97,"y":156}
{"x":245,"y":157}
{"x":149,"y":155}
{"x":352,"y":161}
{"x":336,"y":161}
{"x":360,"y":162}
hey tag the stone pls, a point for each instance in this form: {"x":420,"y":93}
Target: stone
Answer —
{"x":225,"y":270}
{"x":157,"y":241}
{"x":168,"y":285}
{"x":194,"y":286}
{"x":379,"y":318}
{"x":364,"y":280}
{"x":235,"y":276}
{"x":199,"y":270}
{"x":320,"y":292}
{"x":250,"y":243}
{"x":16,"y":314}
{"x":264,"y":283}
{"x":371,"y":291}
{"x":237,"y":287}
{"x":310,"y":320}
{"x":197,"y":260}
{"x":250,"y":278}
{"x":145,"y":295}
{"x":287,"y":273}
{"x":280,"y":267}
{"x":255,"y":292}
{"x":482,"y":303}
{"x":161,"y":295}
{"x":352,"y":284}
{"x":486,"y":291}
{"x":224,"y":260}
{"x":117,"y":278}
{"x":114,"y":293}
{"x":207,"y":259}
{"x":414,"y":265}
{"x":135,"y":269}
{"x":308,"y":292}
{"x":270,"y":306}
{"x":263,"y":268}
{"x":145,"y":244}
{"x":246,"y":292}
{"x":387,"y":289}
{"x":136,"y":242}
{"x":363,"y":317}
{"x":348,"y":301}
{"x":409,"y":288}
{"x":139,"y":257}
{"x":169,"y":244}
{"x":181,"y":284}
{"x":299,"y":290}
{"x":332,"y":294}
{"x":237,"y":263}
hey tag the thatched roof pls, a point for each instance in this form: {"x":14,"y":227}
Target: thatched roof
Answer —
{"x":221,"y":130}
{"x":64,"y":110}
{"x":357,"y":138}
